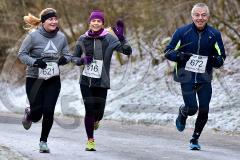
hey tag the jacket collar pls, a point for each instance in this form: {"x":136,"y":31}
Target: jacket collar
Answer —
{"x":100,"y":35}
{"x":43,"y":32}
{"x":195,"y":28}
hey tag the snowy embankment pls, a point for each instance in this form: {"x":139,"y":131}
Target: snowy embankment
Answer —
{"x":141,"y":93}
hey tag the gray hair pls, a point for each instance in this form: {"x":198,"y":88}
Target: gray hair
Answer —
{"x":201,"y":5}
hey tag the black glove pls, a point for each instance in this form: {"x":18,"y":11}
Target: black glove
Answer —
{"x":183,"y":57}
{"x":127,"y":49}
{"x":62,"y":61}
{"x":217,"y":61}
{"x":40,"y":64}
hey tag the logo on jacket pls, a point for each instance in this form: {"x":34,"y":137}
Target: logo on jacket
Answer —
{"x":50,"y":48}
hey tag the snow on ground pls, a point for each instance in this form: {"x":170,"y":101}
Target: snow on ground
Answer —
{"x":141,"y":93}
{"x":152,"y":97}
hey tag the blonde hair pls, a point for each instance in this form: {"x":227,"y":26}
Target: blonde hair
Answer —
{"x":110,"y":30}
{"x":32,"y":22}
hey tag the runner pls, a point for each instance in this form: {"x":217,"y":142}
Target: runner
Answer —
{"x":42,"y":51}
{"x":196,"y":48}
{"x":96,"y":47}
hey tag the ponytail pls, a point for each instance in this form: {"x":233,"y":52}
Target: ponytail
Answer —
{"x":31,"y":21}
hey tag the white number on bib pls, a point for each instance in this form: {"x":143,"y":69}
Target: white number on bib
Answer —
{"x":197,"y":63}
{"x":93,"y":70}
{"x":51,"y":70}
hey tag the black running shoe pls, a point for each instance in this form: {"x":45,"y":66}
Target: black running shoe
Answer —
{"x":194,"y":144}
{"x":180,"y":121}
{"x":26,"y":122}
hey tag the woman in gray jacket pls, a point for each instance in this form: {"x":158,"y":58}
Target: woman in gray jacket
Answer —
{"x":43,"y":50}
{"x":97,"y":46}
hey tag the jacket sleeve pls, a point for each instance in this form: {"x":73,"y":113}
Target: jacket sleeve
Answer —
{"x":24,"y":51}
{"x":171,"y":50}
{"x":219,"y":47}
{"x":121,"y":46}
{"x":78,"y":49}
{"x":65,"y":51}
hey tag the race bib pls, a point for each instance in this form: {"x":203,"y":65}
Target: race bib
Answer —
{"x":93,"y":70}
{"x":197,"y":63}
{"x":51,"y":70}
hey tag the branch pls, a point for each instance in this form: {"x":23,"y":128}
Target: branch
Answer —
{"x":68,"y":20}
{"x":227,"y":24}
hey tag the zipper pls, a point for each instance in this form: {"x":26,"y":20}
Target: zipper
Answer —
{"x":199,"y":40}
{"x":90,"y":81}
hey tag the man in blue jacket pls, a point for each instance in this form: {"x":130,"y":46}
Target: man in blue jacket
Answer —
{"x":196,"y":48}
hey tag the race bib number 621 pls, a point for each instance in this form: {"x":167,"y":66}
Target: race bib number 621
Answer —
{"x":51,"y":70}
{"x":197,"y":63}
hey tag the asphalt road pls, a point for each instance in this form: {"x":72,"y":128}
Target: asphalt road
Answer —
{"x":115,"y":141}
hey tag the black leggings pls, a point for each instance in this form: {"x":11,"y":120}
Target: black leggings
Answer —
{"x":94,"y":101}
{"x":42,"y":96}
{"x":204,"y":93}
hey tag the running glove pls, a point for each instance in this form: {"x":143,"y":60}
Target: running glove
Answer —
{"x":40,"y":64}
{"x":82,"y":61}
{"x":118,"y":29}
{"x":217,"y":61}
{"x":62,"y":61}
{"x":183,"y":57}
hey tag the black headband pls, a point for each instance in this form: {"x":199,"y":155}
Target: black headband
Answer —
{"x":49,"y":15}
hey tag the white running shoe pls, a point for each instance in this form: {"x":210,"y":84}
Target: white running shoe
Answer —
{"x":43,"y":148}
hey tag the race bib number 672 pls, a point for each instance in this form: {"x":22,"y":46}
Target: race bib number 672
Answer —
{"x":197,"y":63}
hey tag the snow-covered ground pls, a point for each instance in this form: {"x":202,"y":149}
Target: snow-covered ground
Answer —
{"x":141,"y":93}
